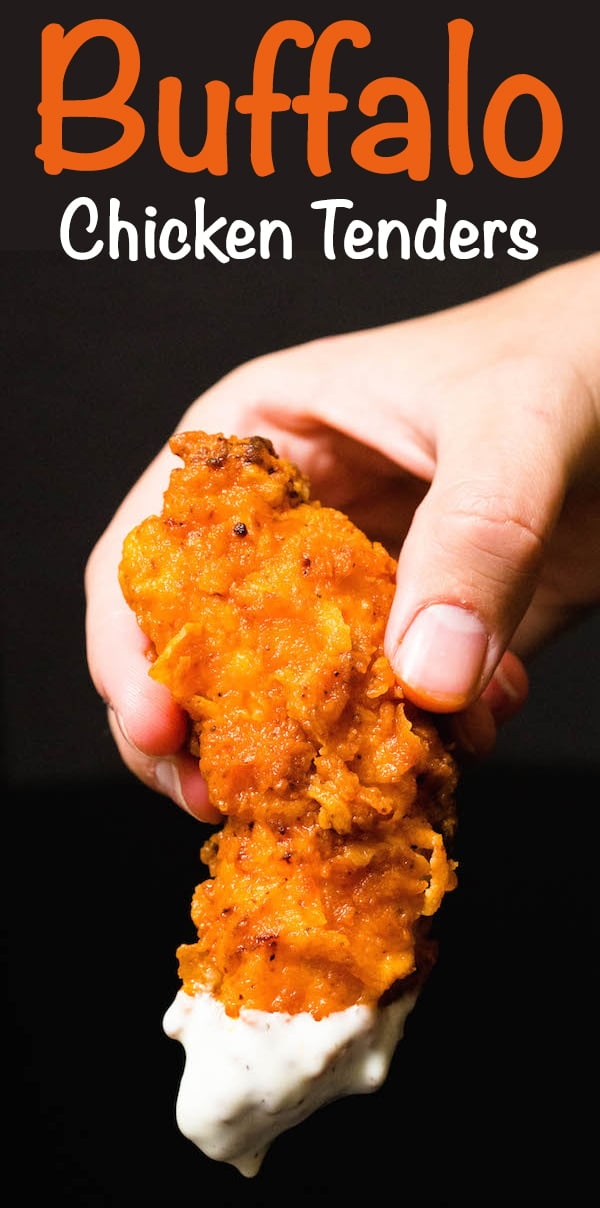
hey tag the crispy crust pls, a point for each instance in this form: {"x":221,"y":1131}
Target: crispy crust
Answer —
{"x":267,"y":612}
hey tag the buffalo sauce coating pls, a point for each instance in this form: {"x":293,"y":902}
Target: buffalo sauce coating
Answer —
{"x":266,"y":613}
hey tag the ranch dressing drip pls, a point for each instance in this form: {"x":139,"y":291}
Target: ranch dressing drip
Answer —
{"x":250,"y":1078}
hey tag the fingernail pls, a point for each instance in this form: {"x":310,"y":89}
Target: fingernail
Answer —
{"x":169,"y":782}
{"x":441,"y":657}
{"x":124,"y":731}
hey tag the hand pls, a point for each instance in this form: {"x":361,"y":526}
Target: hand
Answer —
{"x":468,"y":442}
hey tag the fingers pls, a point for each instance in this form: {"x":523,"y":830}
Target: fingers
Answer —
{"x":118,"y":656}
{"x":472,"y":731}
{"x":175,"y":775}
{"x":472,"y":557}
{"x":508,"y":688}
{"x":150,"y":730}
{"x":117,"y":649}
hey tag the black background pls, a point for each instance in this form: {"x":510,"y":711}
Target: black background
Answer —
{"x":485,"y":1096}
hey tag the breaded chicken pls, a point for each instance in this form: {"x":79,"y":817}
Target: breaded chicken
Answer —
{"x":267,"y":613}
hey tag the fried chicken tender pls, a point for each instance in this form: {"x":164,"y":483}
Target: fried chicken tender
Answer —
{"x":266,"y":612}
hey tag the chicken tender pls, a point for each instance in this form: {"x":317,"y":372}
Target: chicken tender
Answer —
{"x":266,"y":612}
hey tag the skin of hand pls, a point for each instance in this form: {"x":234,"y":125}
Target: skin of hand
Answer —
{"x":468,"y":442}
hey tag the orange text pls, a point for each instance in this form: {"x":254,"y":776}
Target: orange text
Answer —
{"x":381,"y":147}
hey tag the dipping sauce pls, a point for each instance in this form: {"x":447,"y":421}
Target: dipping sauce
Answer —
{"x":249,"y":1078}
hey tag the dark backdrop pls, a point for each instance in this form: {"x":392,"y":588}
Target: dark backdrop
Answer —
{"x":484,"y":1099}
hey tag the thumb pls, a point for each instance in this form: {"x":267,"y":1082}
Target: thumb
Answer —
{"x":471,"y":559}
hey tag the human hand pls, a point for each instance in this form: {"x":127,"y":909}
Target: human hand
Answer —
{"x":468,"y":442}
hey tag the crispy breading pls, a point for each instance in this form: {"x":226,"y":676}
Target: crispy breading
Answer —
{"x":267,"y":613}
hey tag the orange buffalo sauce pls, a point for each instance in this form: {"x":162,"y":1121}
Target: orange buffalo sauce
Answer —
{"x":267,"y":613}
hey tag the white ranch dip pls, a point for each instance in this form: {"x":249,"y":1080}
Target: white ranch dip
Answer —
{"x":248,"y":1079}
